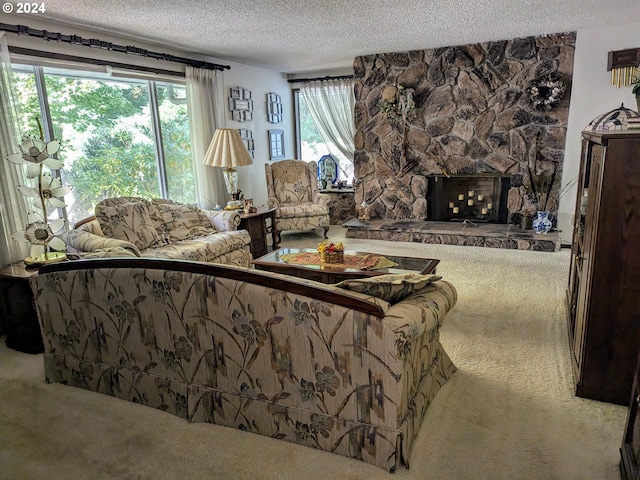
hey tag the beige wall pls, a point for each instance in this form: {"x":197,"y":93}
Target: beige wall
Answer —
{"x":592,"y":94}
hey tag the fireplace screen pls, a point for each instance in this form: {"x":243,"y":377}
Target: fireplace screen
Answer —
{"x":477,"y":199}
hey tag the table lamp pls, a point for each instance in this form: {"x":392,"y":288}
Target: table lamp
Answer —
{"x":227,"y":150}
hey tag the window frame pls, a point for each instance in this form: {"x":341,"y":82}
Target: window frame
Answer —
{"x":37,"y":68}
{"x":298,"y":136}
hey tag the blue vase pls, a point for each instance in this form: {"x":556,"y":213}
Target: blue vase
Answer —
{"x":542,"y":224}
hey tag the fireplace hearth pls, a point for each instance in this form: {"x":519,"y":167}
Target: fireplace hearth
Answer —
{"x":454,"y":233}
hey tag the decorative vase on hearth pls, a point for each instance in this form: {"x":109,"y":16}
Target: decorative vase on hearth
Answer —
{"x":542,"y":224}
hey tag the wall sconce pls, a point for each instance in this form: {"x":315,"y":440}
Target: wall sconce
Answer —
{"x":623,"y":65}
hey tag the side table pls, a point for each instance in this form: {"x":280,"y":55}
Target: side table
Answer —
{"x":342,"y":205}
{"x":255,"y":223}
{"x":18,"y":310}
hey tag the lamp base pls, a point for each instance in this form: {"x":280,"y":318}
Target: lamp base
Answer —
{"x":234,"y":205}
{"x":51,"y":257}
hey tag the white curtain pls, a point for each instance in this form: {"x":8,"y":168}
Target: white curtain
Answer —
{"x":331,"y":104}
{"x":204,"y":99}
{"x":13,"y":208}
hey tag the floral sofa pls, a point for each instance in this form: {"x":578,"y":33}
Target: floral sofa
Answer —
{"x":133,"y":226}
{"x":332,"y":368}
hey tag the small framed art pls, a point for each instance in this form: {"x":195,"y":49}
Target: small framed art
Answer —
{"x":237,"y":104}
{"x":247,"y":138}
{"x":276,"y":144}
{"x":274,"y":108}
{"x":240,"y":104}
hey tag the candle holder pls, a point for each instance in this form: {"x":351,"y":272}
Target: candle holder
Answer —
{"x":474,"y":206}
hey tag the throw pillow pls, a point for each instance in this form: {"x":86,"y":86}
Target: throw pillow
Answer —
{"x":128,"y":221}
{"x":177,"y":221}
{"x":391,"y":287}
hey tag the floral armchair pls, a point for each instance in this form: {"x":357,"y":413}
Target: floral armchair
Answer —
{"x":292,"y":187}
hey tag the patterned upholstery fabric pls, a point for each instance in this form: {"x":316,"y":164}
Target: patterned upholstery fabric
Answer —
{"x":182,"y":232}
{"x":81,"y":240}
{"x":176,"y":221}
{"x":128,"y":221}
{"x":109,"y":252}
{"x":231,"y":346}
{"x":392,"y":287}
{"x":223,"y":220}
{"x":202,"y":249}
{"x":292,"y":188}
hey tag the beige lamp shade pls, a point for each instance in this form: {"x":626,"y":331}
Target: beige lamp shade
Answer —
{"x":227,"y":150}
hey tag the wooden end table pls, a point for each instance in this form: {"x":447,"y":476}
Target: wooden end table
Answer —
{"x":17,"y":309}
{"x":255,"y":223}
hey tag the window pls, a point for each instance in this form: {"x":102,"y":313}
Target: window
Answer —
{"x":118,"y":137}
{"x":310,"y":144}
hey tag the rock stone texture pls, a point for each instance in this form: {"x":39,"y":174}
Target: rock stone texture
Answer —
{"x":342,"y":206}
{"x":473,"y":116}
{"x":454,"y":233}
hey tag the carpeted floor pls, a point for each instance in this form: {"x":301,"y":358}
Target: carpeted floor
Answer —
{"x":508,"y":413}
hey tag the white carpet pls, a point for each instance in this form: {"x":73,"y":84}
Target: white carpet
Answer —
{"x":508,"y":413}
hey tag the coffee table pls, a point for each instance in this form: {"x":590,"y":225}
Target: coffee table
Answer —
{"x":328,"y":273}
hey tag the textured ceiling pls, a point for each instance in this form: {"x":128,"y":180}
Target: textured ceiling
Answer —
{"x":319,"y":35}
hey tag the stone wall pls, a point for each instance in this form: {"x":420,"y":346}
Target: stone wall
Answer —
{"x":473,"y":116}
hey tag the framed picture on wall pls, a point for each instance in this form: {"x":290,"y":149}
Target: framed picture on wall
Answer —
{"x":240,"y":104}
{"x":247,"y":138}
{"x":276,"y":144}
{"x":237,"y":104}
{"x":274,"y":108}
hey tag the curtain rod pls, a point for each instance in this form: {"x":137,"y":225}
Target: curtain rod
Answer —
{"x":91,"y":61}
{"x":317,"y":79}
{"x":95,"y":43}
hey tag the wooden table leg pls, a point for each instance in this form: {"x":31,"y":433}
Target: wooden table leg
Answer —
{"x":274,"y":236}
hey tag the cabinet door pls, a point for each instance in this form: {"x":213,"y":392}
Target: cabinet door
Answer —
{"x":587,"y":232}
{"x":577,"y":243}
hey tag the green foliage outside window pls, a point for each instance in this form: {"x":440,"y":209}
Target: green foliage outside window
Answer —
{"x":108,"y":146}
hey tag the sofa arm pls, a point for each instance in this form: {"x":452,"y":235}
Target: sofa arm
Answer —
{"x":109,"y":252}
{"x":224,"y":220}
{"x":420,"y":312}
{"x":81,"y":241}
{"x":272,"y":202}
{"x":89,"y":224}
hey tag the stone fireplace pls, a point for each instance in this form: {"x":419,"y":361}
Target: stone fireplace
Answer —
{"x":474,"y":119}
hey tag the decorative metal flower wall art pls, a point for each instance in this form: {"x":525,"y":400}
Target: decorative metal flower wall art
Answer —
{"x":398,"y":105}
{"x":47,"y":193}
{"x":546,"y":94}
